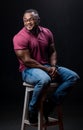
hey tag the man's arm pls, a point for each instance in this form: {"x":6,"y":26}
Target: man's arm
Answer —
{"x":24,"y":56}
{"x":52,"y":61}
{"x":53,"y":55}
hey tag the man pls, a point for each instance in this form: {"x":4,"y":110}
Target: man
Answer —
{"x":35,"y":49}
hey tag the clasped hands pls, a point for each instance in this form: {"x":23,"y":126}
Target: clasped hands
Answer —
{"x":52,"y":71}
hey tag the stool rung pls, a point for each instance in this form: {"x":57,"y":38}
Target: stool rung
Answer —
{"x":26,"y":122}
{"x":52,"y":121}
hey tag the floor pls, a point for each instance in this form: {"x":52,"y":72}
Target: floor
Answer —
{"x":11,"y":114}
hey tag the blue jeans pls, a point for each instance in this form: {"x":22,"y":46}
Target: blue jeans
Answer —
{"x":40,"y":79}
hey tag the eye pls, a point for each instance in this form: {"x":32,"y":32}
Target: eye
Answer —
{"x":30,"y":19}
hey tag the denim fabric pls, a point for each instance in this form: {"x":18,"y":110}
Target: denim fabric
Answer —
{"x":66,"y":79}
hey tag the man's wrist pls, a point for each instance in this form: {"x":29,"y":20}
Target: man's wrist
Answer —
{"x":53,"y":65}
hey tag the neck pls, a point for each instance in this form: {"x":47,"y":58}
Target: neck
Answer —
{"x":35,"y":30}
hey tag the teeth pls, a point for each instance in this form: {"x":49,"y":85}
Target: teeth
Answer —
{"x":29,"y":26}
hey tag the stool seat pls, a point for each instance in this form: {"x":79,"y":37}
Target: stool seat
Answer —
{"x":42,"y":124}
{"x":32,"y":86}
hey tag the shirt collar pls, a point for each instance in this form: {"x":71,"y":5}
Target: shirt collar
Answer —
{"x":39,"y":27}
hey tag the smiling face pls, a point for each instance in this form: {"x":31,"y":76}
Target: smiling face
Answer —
{"x":30,"y":21}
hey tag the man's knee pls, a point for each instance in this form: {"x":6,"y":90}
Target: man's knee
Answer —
{"x":45,"y":80}
{"x":75,"y":77}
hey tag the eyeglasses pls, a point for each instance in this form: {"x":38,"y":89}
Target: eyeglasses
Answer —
{"x":28,"y":20}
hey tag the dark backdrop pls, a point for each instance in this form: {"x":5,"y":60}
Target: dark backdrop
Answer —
{"x":63,"y":18}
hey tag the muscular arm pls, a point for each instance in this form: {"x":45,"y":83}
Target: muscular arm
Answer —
{"x":53,"y":61}
{"x":24,"y":56}
{"x":53,"y":55}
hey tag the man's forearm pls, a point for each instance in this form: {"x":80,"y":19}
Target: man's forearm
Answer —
{"x":53,"y":59}
{"x":34,"y":64}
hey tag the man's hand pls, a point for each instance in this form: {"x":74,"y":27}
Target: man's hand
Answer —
{"x":52,"y":71}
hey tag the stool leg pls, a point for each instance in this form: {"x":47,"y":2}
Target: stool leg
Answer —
{"x":60,"y":115}
{"x":25,"y":109}
{"x":40,"y":117}
{"x":45,"y":128}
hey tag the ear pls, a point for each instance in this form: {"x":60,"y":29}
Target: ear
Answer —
{"x":38,"y":20}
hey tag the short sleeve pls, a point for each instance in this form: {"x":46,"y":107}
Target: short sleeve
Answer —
{"x":51,"y":37}
{"x":19,"y":42}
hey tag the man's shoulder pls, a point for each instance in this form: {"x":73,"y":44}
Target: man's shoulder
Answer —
{"x":20,"y":39}
{"x":21,"y":34}
{"x":46,"y":30}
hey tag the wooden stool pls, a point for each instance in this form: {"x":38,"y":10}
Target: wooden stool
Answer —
{"x":42,"y":125}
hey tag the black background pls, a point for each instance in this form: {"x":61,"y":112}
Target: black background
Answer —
{"x":65,"y":19}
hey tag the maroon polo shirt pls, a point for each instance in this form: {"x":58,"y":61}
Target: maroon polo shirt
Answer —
{"x":37,"y":45}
